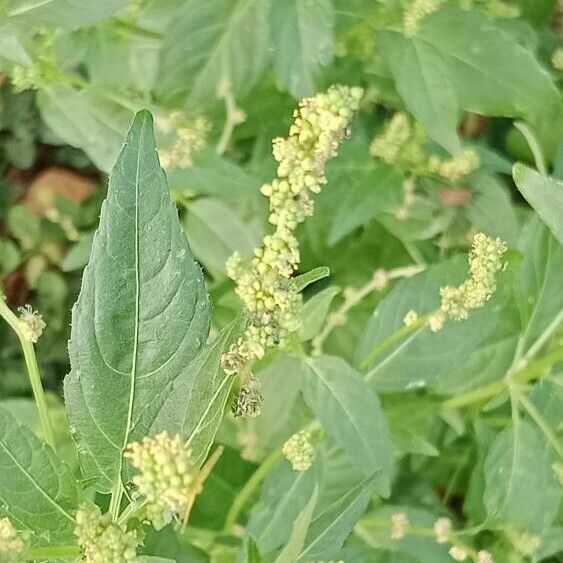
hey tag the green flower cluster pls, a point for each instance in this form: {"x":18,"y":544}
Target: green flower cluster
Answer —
{"x":299,"y":451}
{"x":31,"y":324}
{"x":181,"y":137}
{"x":165,"y":476}
{"x":264,"y":284}
{"x":416,"y":12}
{"x":12,"y":545}
{"x":104,"y":541}
{"x":403,"y":144}
{"x":485,"y":260}
{"x":454,"y":168}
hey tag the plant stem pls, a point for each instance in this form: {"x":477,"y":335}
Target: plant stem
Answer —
{"x":541,"y":422}
{"x":55,"y":552}
{"x":248,"y":490}
{"x":354,"y":297}
{"x":115,"y":502}
{"x":32,"y":371}
{"x":390,"y":340}
{"x":233,"y":118}
{"x":520,"y":377}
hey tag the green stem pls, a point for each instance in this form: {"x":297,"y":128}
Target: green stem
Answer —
{"x":520,"y":377}
{"x":56,"y":552}
{"x":32,"y":371}
{"x":115,"y":502}
{"x":541,"y":422}
{"x":248,"y":490}
{"x":390,"y":340}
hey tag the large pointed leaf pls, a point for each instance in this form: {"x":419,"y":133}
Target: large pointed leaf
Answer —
{"x":142,"y":313}
{"x":37,"y":491}
{"x":351,"y":412}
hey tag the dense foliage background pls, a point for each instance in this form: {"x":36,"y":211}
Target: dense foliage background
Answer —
{"x":222,"y":77}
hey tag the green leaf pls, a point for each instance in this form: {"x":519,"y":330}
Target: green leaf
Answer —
{"x":461,"y":60}
{"x":423,"y":358}
{"x":215,"y":231}
{"x":86,"y":121}
{"x":314,"y":312}
{"x":11,"y":47}
{"x":539,"y":283}
{"x":211,"y":46}
{"x":284,"y":495}
{"x":193,"y":402}
{"x":333,"y":525}
{"x":303,"y":42}
{"x":424,"y":85}
{"x":300,"y":282}
{"x":296,"y":541}
{"x":520,"y":485}
{"x":37,"y":491}
{"x":372,"y":187}
{"x":141,"y":316}
{"x":491,"y":209}
{"x":67,"y":14}
{"x":544,"y":194}
{"x":350,"y":410}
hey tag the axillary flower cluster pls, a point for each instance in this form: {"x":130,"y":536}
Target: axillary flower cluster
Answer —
{"x":12,"y":545}
{"x":485,"y":261}
{"x":104,"y":541}
{"x":264,"y":283}
{"x":166,"y":476}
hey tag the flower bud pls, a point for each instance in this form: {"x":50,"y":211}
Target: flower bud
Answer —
{"x":399,"y":525}
{"x":12,"y":545}
{"x":248,"y":401}
{"x":299,"y":451}
{"x":31,"y":324}
{"x":165,"y":476}
{"x":104,"y":541}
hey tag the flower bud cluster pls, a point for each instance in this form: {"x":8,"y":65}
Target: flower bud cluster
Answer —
{"x":457,"y":553}
{"x":25,"y":78}
{"x":104,"y":541}
{"x":443,"y":530}
{"x":12,"y":545}
{"x":166,"y":476}
{"x":264,"y":285}
{"x":485,"y":260}
{"x":401,"y":143}
{"x":299,"y":451}
{"x":399,"y":525}
{"x":454,"y":168}
{"x":182,"y":137}
{"x":416,"y":12}
{"x":31,"y":324}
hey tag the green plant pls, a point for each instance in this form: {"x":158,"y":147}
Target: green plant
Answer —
{"x":260,"y":369}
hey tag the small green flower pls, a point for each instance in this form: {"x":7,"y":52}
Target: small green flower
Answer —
{"x":12,"y":545}
{"x":264,"y":284}
{"x":181,"y":137}
{"x":104,"y":541}
{"x":299,"y":451}
{"x":485,"y":260}
{"x":416,"y":12}
{"x":166,"y":476}
{"x":31,"y":324}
